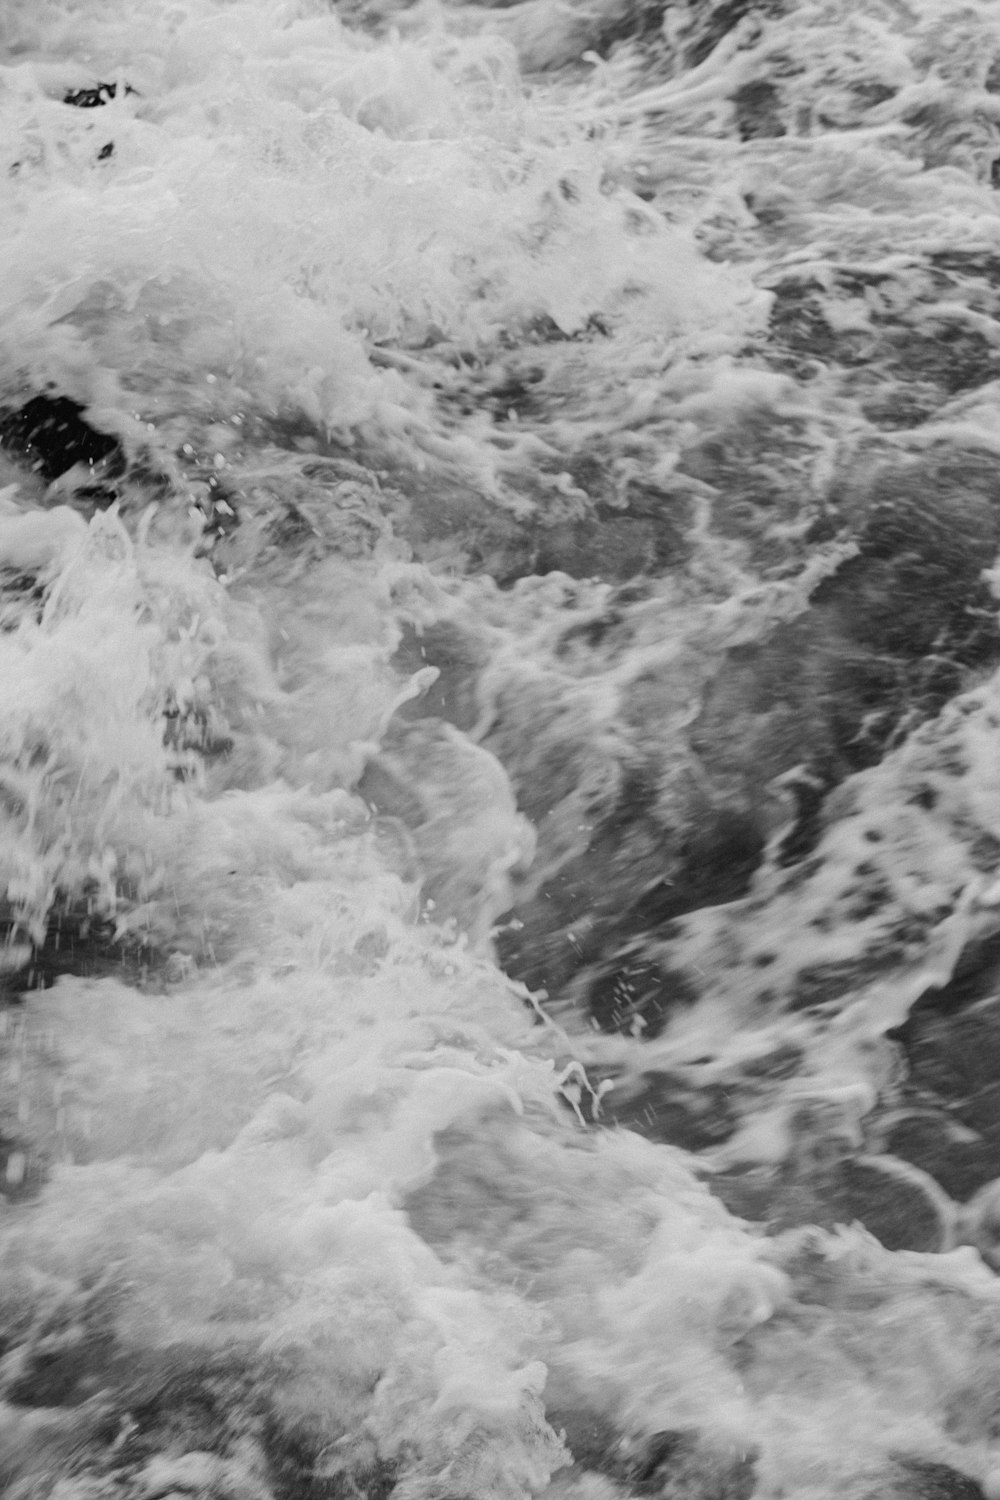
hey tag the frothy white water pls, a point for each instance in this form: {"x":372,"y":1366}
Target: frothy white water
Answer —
{"x":288,"y":196}
{"x":301,"y":1200}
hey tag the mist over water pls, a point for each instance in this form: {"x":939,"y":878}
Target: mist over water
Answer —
{"x":499,"y":706}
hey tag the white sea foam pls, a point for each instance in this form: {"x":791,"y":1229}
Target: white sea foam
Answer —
{"x":311,"y":1197}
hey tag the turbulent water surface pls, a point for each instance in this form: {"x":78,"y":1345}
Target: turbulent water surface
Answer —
{"x":499,"y":750}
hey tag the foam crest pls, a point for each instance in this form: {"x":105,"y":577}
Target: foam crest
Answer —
{"x":86,"y":664}
{"x":285,"y":196}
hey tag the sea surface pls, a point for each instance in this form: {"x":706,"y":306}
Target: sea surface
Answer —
{"x":499,"y":750}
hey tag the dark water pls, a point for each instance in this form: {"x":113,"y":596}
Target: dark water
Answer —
{"x":499,"y":819}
